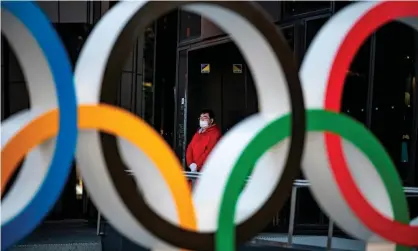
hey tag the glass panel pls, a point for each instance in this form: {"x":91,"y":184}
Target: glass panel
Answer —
{"x":15,"y":72}
{"x":126,"y":88}
{"x":190,"y":26}
{"x":165,"y":77}
{"x":312,"y":28}
{"x":291,"y":8}
{"x":129,"y":63}
{"x":289,"y":35}
{"x":392,"y":115}
{"x":356,"y":85}
{"x":181,"y":110}
{"x":18,"y":96}
{"x":148,"y":76}
{"x":303,"y":216}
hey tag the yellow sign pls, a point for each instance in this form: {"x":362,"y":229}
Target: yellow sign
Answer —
{"x":204,"y":68}
{"x":237,"y":68}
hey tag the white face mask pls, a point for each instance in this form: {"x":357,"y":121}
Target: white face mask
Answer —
{"x":203,"y":123}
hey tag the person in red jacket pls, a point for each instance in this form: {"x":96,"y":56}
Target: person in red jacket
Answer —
{"x":203,"y":141}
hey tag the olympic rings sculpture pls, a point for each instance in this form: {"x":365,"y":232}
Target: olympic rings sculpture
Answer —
{"x":353,"y":180}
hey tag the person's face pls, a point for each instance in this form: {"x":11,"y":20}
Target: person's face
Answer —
{"x":205,"y":120}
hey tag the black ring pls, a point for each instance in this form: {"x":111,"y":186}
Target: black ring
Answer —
{"x":126,"y":186}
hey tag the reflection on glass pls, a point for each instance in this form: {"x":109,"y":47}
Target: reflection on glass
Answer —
{"x":393,"y":91}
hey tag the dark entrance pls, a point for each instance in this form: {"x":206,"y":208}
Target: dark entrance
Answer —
{"x":232,"y":96}
{"x":227,"y":88}
{"x":229,"y":92}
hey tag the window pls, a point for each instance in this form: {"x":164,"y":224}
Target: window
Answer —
{"x":292,"y":8}
{"x":190,"y":26}
{"x":394,"y":90}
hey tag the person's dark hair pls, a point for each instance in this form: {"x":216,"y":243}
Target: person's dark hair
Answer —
{"x":209,"y":112}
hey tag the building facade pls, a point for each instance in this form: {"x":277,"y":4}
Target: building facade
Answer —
{"x":162,"y":83}
{"x":380,"y":88}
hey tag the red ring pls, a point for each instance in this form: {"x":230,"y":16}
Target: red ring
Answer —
{"x":372,"y":20}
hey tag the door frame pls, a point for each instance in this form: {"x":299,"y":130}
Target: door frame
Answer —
{"x":180,"y":124}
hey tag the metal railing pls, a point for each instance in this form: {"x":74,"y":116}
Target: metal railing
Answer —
{"x":409,"y":191}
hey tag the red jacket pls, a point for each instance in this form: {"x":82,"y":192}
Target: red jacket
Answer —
{"x":201,"y":145}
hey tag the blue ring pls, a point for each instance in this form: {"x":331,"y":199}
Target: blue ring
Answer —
{"x":55,"y":54}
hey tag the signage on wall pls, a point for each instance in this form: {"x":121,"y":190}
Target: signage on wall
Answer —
{"x":237,"y":68}
{"x":204,"y":68}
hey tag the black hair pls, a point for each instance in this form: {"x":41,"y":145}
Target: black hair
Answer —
{"x":210,"y":112}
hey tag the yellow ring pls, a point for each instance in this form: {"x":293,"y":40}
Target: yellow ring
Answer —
{"x":111,"y":120}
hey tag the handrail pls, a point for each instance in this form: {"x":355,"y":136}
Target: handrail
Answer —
{"x":296,"y":183}
{"x":299,"y":183}
{"x":305,"y":183}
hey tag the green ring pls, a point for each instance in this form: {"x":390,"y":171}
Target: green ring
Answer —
{"x":318,"y":121}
